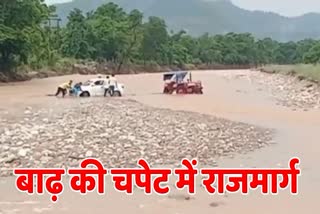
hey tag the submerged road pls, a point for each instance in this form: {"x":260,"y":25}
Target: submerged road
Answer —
{"x":225,"y":95}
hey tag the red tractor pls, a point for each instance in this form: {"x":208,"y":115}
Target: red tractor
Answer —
{"x":176,"y":82}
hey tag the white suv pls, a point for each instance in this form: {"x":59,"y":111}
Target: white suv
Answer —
{"x":96,"y":87}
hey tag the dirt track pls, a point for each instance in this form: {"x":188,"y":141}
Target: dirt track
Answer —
{"x":226,"y":95}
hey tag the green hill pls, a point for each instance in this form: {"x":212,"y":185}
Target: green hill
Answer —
{"x":215,"y":17}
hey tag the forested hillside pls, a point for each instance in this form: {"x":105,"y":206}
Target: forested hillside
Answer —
{"x":112,"y":35}
{"x":215,"y":17}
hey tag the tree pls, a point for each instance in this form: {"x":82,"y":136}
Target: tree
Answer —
{"x":110,"y":34}
{"x":303,"y":47}
{"x":313,"y":55}
{"x":109,"y":25}
{"x":20,"y":21}
{"x":75,"y":38}
{"x":286,"y":53}
{"x":266,"y":51}
{"x":134,"y":37}
{"x":155,"y":37}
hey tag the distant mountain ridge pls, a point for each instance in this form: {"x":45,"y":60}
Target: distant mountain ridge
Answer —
{"x":215,"y":17}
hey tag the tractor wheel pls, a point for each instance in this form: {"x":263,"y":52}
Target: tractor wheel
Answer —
{"x":181,"y":91}
{"x":168,"y":91}
{"x":197,"y":90}
{"x":191,"y":90}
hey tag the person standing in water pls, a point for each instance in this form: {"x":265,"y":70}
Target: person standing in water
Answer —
{"x":106,"y":87}
{"x":112,"y":84}
{"x":76,"y":89}
{"x":63,"y":88}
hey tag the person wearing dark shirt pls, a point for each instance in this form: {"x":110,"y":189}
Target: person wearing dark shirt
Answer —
{"x":106,"y":88}
{"x":112,"y":85}
{"x":76,"y":88}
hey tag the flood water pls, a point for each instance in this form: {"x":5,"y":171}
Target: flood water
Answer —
{"x":225,"y":95}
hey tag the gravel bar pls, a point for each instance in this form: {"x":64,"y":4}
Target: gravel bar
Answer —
{"x":119,"y":132}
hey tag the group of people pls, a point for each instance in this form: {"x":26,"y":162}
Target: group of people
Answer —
{"x":63,"y":88}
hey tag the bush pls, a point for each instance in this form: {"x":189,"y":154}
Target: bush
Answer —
{"x":64,"y":65}
{"x":303,"y":71}
{"x":189,"y":67}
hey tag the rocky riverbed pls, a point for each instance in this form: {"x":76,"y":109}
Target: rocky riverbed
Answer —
{"x":288,"y":91}
{"x":119,"y":132}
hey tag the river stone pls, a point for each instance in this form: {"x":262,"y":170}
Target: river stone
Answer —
{"x":121,"y":131}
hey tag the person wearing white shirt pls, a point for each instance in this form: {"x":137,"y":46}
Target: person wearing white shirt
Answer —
{"x":110,"y":86}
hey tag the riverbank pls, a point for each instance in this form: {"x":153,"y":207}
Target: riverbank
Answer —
{"x":93,"y":68}
{"x":301,"y":71}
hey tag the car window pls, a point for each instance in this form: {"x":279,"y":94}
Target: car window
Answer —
{"x":99,"y":82}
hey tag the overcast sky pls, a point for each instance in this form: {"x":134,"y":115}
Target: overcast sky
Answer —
{"x":284,"y":7}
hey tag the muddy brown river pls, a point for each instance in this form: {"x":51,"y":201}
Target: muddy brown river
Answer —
{"x":225,"y":95}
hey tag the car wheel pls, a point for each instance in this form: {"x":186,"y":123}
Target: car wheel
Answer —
{"x":85,"y":94}
{"x":117,"y":94}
